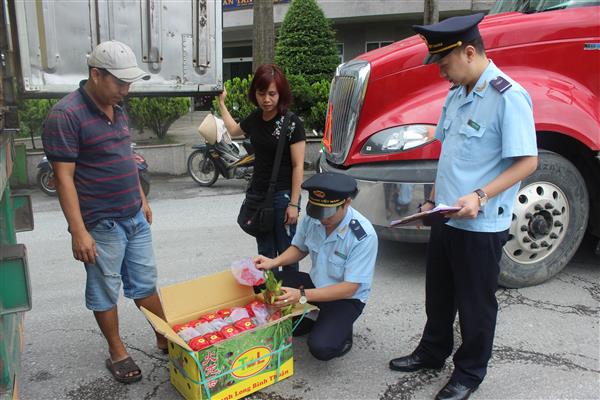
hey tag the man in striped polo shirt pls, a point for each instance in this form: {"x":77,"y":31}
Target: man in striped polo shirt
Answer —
{"x":86,"y":137}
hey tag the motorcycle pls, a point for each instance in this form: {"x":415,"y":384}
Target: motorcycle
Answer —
{"x":219,"y":155}
{"x":46,"y":182}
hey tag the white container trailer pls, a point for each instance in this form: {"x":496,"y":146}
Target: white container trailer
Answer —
{"x":179,"y":42}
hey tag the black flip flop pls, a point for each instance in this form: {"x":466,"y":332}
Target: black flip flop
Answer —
{"x":120,"y":369}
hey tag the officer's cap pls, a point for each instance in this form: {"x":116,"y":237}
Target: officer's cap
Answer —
{"x":326,"y":192}
{"x":445,"y":36}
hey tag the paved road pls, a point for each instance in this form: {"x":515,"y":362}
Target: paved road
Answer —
{"x":547,"y":341}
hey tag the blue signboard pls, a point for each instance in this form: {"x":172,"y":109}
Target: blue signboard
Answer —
{"x":237,"y":4}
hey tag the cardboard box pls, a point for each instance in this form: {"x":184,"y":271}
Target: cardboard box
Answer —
{"x":235,"y":367}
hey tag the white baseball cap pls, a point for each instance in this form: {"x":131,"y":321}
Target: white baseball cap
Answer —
{"x":118,"y":59}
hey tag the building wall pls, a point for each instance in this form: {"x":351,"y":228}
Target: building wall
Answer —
{"x":355,"y":22}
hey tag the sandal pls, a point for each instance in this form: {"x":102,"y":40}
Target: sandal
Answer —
{"x":121,"y":369}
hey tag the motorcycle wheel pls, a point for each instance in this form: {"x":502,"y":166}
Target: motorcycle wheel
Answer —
{"x":202,"y":169}
{"x":45,"y":180}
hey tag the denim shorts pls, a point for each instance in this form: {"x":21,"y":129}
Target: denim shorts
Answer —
{"x":125,"y":254}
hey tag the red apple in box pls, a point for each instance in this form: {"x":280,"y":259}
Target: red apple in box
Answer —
{"x":245,"y":324}
{"x":179,"y":327}
{"x":209,"y":317}
{"x":198,"y":343}
{"x":224,"y":313}
{"x":229,"y":331}
{"x":214,"y":337}
{"x":255,"y":303}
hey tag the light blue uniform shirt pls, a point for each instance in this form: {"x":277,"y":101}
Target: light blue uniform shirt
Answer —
{"x":341,"y":257}
{"x":481,"y":133}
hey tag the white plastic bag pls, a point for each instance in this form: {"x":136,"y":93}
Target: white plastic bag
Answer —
{"x":246,"y":273}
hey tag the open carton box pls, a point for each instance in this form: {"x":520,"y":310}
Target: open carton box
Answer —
{"x":232,"y":368}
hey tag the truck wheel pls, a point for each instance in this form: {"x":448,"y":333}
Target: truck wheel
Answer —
{"x":548,"y":223}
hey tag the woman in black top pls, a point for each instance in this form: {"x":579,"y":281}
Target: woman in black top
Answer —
{"x":270,"y":92}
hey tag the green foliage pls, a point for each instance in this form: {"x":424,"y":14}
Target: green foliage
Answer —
{"x":32,"y":114}
{"x":157,"y":113}
{"x":302,"y":94}
{"x":272,"y":290}
{"x":306,"y":43}
{"x":315,"y":118}
{"x":237,"y":98}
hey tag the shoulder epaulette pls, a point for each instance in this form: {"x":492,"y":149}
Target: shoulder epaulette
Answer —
{"x":357,"y":229}
{"x":500,"y":84}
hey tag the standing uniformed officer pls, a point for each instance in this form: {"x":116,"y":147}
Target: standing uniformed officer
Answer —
{"x":488,"y":147}
{"x":343,"y":247}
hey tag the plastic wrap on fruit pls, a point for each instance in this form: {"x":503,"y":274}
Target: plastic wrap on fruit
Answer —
{"x":229,"y":331}
{"x":204,"y":327}
{"x":272,"y":290}
{"x":246,"y":273}
{"x":188,"y":333}
{"x":238,"y":313}
{"x":249,"y":307}
{"x":245,"y":324}
{"x":198,"y":343}
{"x":224,"y":313}
{"x":218,"y":324}
{"x":259,"y":312}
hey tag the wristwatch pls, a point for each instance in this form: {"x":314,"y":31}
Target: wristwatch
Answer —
{"x":303,"y":298}
{"x":483,"y":197}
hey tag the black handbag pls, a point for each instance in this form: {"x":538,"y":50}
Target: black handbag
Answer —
{"x":257,"y":214}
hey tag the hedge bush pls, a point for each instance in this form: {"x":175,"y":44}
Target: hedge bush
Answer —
{"x":306,"y":43}
{"x":157,"y":113}
{"x":320,"y":100}
{"x":237,"y":98}
{"x":32,"y":114}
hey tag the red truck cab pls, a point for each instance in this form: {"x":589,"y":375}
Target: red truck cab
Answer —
{"x":384,"y":105}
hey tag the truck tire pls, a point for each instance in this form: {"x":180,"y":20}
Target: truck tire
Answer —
{"x":548,"y":223}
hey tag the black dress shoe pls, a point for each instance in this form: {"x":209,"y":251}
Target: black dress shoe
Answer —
{"x":413,"y":362}
{"x":455,"y":391}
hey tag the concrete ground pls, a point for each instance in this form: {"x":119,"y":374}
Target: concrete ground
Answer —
{"x":546,"y":347}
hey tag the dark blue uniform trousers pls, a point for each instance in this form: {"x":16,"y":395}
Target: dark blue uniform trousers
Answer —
{"x":462,"y":275}
{"x":333,"y":327}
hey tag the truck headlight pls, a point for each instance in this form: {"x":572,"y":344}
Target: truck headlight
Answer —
{"x":399,"y":138}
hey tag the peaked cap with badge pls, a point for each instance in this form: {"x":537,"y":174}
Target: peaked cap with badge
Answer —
{"x":445,"y":36}
{"x":328,"y":191}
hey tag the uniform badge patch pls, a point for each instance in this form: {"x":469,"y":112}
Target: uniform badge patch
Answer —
{"x":357,"y":229}
{"x":501,"y":84}
{"x":473,"y":124}
{"x":340,"y":255}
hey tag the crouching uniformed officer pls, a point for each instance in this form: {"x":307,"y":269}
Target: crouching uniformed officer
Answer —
{"x":488,"y":147}
{"x":343,"y":246}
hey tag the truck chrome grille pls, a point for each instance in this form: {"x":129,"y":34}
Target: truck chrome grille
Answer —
{"x":341,"y":99}
{"x":345,"y":99}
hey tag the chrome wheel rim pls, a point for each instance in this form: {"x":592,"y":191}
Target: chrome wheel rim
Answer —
{"x":539,"y":223}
